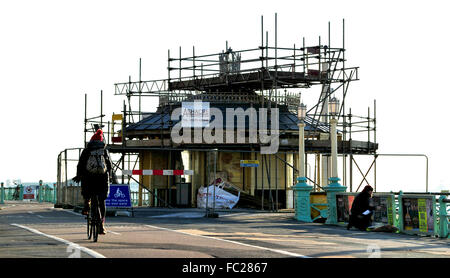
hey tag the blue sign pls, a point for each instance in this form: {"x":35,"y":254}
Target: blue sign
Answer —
{"x":249,"y":163}
{"x":119,"y":196}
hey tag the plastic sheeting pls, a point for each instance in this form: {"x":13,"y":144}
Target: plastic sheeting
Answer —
{"x":223,"y":199}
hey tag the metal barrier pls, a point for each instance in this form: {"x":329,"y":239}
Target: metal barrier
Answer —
{"x":68,"y":193}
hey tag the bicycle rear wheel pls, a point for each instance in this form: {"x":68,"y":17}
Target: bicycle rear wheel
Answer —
{"x":95,"y":219}
{"x":94,"y":228}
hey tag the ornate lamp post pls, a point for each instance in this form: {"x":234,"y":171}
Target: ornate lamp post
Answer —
{"x":334,"y":186}
{"x":301,"y":139}
{"x":333,"y":108}
{"x":301,"y":189}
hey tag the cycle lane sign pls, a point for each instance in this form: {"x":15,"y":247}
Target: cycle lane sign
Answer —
{"x":119,"y":196}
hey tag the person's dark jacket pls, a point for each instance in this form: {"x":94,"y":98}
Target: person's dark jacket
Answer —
{"x":94,"y":183}
{"x":360,"y":205}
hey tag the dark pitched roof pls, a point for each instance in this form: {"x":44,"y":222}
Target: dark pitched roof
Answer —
{"x":161,"y":119}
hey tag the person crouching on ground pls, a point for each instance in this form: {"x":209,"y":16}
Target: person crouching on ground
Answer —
{"x":94,"y":171}
{"x":361,"y":212}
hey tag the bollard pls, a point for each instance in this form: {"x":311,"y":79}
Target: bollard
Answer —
{"x":302,"y":200}
{"x":333,"y":188}
{"x":443,"y":220}
{"x":2,"y":194}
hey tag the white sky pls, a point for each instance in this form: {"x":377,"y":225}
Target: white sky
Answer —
{"x":53,"y":52}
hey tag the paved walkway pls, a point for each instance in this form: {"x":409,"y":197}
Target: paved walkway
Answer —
{"x":34,"y":230}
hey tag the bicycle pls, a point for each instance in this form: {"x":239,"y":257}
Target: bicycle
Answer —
{"x":94,"y":220}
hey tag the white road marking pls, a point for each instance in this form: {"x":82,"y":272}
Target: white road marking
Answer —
{"x":68,"y":211}
{"x":109,"y":231}
{"x":40,"y":216}
{"x":180,"y":215}
{"x":235,"y":242}
{"x":73,"y":245}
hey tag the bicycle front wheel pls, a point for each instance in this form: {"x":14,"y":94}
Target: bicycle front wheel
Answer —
{"x":89,"y":227}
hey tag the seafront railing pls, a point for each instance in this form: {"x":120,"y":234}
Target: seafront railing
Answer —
{"x":410,"y":212}
{"x":43,"y":193}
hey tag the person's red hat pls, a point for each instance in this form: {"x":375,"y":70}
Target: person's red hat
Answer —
{"x":98,"y":136}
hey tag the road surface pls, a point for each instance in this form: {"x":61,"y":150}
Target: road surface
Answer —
{"x":37,"y":230}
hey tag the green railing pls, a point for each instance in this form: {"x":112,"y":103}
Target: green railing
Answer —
{"x":12,"y":193}
{"x":135,"y":199}
{"x":430,"y":211}
{"x":45,"y":193}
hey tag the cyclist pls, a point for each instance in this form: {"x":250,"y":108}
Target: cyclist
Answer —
{"x":97,"y":183}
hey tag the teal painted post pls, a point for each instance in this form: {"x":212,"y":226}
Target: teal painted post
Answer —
{"x":21,"y":193}
{"x":400,"y":212}
{"x":443,"y":220}
{"x":54,"y":193}
{"x":40,"y":192}
{"x":45,"y":193}
{"x":2,"y":194}
{"x":332,"y":189}
{"x":10,"y":194}
{"x":302,"y":200}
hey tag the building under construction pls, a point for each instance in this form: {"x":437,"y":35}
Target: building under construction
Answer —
{"x":267,"y":76}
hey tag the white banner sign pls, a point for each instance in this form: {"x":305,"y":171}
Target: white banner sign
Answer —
{"x":195,"y":114}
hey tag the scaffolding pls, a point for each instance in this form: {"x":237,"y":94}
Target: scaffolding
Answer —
{"x":265,"y":76}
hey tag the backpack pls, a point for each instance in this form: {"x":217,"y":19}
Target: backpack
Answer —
{"x":96,"y":163}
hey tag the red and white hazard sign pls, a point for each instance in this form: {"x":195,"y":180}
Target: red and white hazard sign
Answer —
{"x":28,"y":192}
{"x":158,"y":172}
